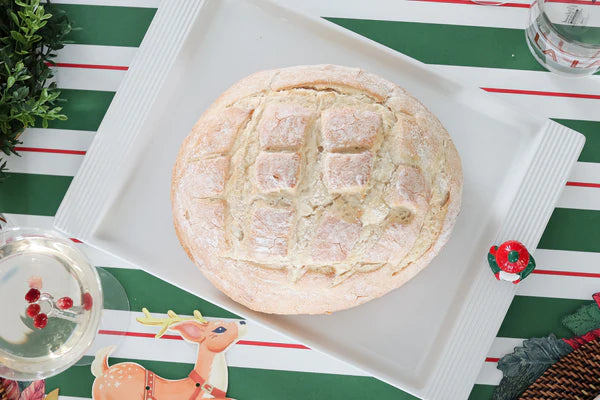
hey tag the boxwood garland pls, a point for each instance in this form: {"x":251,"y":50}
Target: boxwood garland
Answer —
{"x":30,"y":34}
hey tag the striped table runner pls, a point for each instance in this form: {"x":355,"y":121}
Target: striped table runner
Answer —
{"x":482,"y":46}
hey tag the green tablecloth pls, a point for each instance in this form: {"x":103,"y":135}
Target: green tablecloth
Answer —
{"x":482,"y":46}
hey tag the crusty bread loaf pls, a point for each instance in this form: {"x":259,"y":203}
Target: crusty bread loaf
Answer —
{"x":312,"y":189}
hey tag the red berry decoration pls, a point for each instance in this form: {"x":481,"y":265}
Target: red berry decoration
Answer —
{"x":64,"y":303}
{"x":32,"y":295}
{"x":33,"y":310}
{"x":87,"y":301}
{"x":40,"y":321}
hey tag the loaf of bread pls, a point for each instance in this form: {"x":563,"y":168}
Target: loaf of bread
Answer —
{"x":312,"y":189}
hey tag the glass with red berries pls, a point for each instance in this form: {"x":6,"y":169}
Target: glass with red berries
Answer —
{"x":50,"y":303}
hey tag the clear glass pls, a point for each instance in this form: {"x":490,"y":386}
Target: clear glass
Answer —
{"x":44,"y":260}
{"x":564,"y":36}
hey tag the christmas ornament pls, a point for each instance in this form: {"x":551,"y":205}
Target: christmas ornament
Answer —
{"x":511,"y":261}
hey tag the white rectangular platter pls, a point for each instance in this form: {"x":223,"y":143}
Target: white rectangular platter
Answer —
{"x":428,"y":337}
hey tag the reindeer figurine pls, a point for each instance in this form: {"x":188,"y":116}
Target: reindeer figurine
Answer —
{"x":207,"y":380}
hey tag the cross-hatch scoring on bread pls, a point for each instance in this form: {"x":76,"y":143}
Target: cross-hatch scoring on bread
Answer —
{"x":315,"y":188}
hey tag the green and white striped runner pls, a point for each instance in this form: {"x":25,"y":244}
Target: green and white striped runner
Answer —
{"x":482,"y":46}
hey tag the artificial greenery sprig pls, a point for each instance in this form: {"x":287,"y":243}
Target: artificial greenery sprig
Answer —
{"x":30,"y":33}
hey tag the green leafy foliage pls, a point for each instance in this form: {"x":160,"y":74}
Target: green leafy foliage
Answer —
{"x":586,"y":319}
{"x":522,"y":367}
{"x":30,"y":34}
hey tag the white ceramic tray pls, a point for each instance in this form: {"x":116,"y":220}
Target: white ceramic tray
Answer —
{"x":430,"y":336}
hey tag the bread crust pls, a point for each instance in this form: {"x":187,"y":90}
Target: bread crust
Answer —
{"x":285,"y":286}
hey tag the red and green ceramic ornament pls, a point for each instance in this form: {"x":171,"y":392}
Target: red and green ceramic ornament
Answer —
{"x":511,"y":261}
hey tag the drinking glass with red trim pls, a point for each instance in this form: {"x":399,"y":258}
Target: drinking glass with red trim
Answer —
{"x":564,"y":36}
{"x":51,"y":302}
{"x":489,"y":2}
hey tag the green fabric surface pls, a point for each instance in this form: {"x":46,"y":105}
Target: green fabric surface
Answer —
{"x":591,"y":131}
{"x":46,"y":192}
{"x":530,"y":316}
{"x":472,"y":46}
{"x":145,"y":295}
{"x":482,"y":392}
{"x":85,"y":109}
{"x":572,"y":229}
{"x":249,"y":383}
{"x":108,"y":25}
{"x":449,"y":44}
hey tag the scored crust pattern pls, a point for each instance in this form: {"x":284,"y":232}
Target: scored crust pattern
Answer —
{"x":315,"y":188}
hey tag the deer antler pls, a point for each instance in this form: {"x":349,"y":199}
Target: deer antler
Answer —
{"x":167,"y":322}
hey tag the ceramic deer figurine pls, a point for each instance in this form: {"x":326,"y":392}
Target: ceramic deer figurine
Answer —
{"x":207,"y":380}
